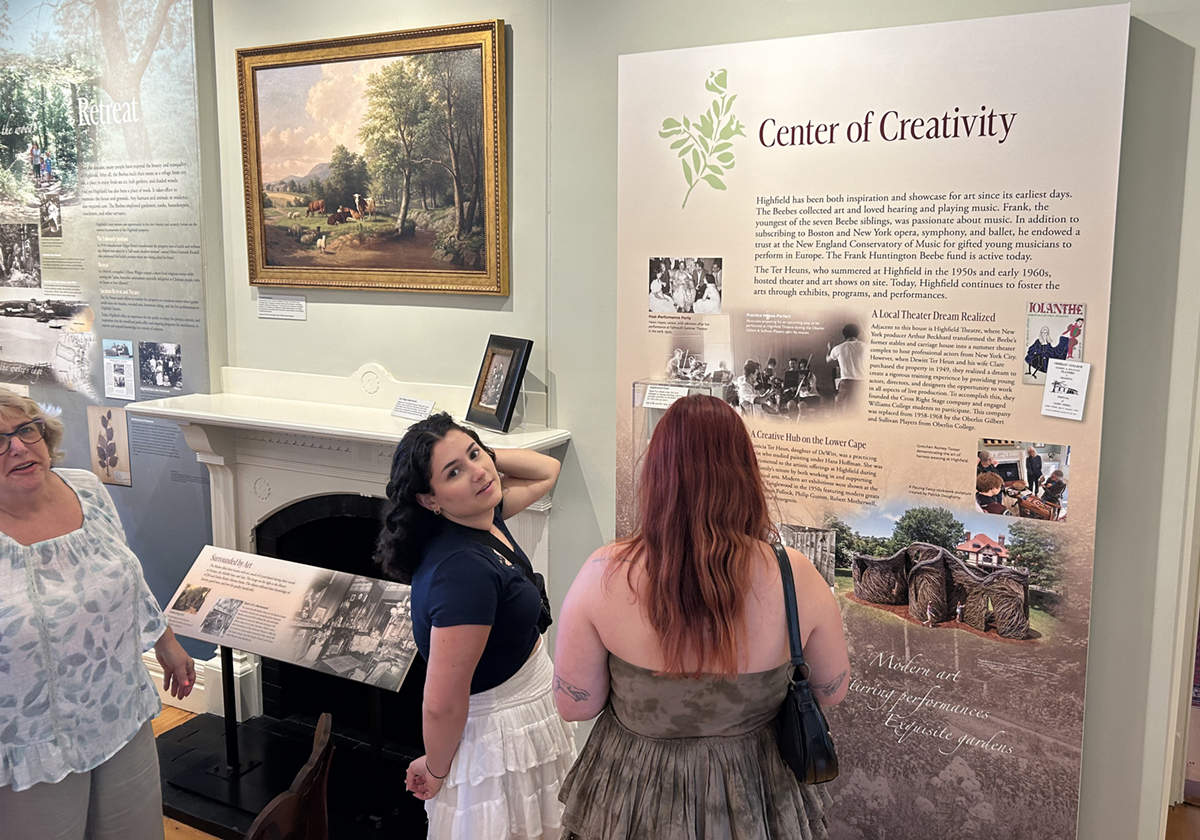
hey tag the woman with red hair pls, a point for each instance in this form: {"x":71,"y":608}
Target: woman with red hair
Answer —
{"x":676,"y":636}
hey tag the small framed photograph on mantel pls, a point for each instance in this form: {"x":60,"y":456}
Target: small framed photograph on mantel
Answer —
{"x":499,"y":382}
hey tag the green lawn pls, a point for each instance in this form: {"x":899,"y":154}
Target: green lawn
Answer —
{"x":278,"y":216}
{"x":1044,"y":623}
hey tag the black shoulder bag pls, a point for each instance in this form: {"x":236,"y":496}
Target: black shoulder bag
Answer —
{"x":804,"y":740}
{"x":488,"y":539}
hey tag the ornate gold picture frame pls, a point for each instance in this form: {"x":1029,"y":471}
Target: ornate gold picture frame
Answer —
{"x":378,"y":161}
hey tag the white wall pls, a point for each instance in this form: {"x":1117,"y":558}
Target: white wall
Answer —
{"x":562,"y":122}
{"x":417,"y":337}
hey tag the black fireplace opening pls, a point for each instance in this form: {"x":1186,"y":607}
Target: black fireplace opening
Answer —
{"x":338,"y":533}
{"x":1009,"y":471}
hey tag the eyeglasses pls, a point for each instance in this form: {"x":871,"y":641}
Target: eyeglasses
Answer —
{"x":31,"y":432}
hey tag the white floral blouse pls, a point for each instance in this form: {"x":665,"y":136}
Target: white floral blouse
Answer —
{"x":75,"y":617}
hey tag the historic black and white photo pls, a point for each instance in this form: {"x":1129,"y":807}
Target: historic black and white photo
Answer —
{"x":686,"y":285}
{"x":218,"y":620}
{"x":161,"y":365}
{"x":20,"y":259}
{"x":355,"y":627}
{"x":493,"y":386}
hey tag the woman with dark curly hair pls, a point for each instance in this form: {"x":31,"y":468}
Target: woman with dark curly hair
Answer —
{"x":496,"y":750}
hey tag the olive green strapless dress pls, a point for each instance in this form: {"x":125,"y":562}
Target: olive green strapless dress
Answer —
{"x":689,"y":759}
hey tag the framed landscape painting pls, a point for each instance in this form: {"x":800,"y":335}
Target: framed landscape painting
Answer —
{"x":378,"y":161}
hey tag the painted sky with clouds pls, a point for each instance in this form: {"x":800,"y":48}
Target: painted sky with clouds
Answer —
{"x":304,"y":112}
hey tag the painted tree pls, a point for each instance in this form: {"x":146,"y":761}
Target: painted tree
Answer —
{"x":1037,"y":549}
{"x":472,"y":132}
{"x":347,"y":176}
{"x":395,"y":128}
{"x":933,"y":525}
{"x":455,"y":77}
{"x":843,"y":541}
{"x":130,"y":31}
{"x":432,"y":185}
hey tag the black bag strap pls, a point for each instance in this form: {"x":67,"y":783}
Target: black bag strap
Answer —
{"x":497,"y":545}
{"x":793,"y":613}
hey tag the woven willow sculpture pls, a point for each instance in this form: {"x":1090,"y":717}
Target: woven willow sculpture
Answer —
{"x":933,"y":582}
{"x":1007,"y":590}
{"x":927,"y":579}
{"x":881,"y":580}
{"x":966,"y":588}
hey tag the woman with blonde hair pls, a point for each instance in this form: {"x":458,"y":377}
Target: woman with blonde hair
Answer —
{"x":676,"y":636}
{"x":77,"y":755}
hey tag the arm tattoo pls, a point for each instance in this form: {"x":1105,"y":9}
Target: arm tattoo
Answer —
{"x":573,"y":691}
{"x":830,"y":688}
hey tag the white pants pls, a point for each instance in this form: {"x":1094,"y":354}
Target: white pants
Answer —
{"x":119,"y":800}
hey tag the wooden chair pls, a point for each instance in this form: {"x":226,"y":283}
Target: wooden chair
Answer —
{"x":300,"y":812}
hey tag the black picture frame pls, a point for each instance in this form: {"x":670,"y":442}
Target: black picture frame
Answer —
{"x":500,"y":374}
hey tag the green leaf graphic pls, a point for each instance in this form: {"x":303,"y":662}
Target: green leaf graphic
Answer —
{"x":705,"y":146}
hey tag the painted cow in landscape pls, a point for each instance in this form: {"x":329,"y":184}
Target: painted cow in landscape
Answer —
{"x":364,"y":206}
{"x":316,"y":208}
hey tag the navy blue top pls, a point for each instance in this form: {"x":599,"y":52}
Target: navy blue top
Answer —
{"x":461,"y":581}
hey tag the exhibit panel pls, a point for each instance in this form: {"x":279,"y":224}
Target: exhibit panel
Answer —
{"x":100,"y":251}
{"x":897,"y":267}
{"x":702,"y":321}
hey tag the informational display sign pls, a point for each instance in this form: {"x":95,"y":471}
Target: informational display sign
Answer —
{"x":662,"y":396}
{"x":282,"y":307}
{"x":347,"y":625}
{"x":893,"y":243}
{"x":99,"y":200}
{"x":412,"y":408}
{"x":100,"y":249}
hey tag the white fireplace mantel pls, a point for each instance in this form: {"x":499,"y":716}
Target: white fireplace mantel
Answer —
{"x":273,"y":438}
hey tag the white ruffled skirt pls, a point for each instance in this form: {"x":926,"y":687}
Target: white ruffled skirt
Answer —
{"x":514,"y":755}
